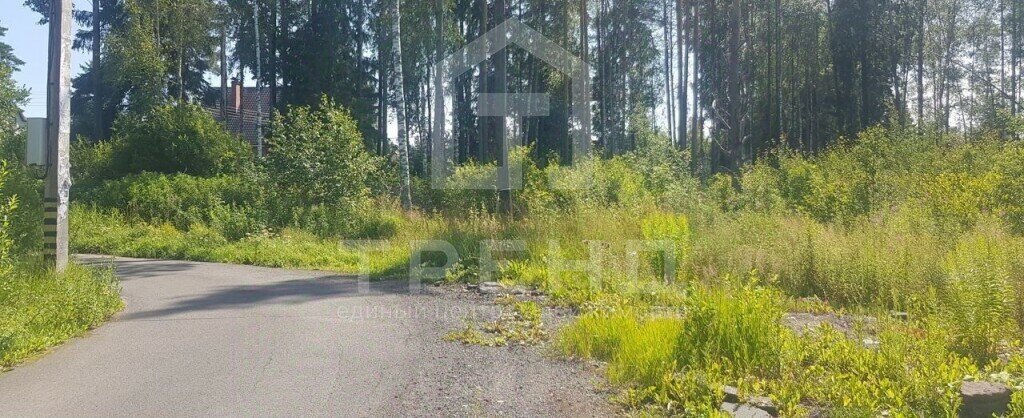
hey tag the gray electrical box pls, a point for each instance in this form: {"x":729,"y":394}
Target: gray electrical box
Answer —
{"x":35,"y":149}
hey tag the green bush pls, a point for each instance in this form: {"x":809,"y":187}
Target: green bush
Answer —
{"x":8,"y":204}
{"x":980,"y":299}
{"x":175,"y":139}
{"x":231,"y":204}
{"x":317,"y":157}
{"x":25,"y":219}
{"x":1008,"y":190}
{"x":93,"y":164}
{"x":320,"y":174}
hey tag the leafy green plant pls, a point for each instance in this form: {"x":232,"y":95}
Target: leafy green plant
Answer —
{"x":980,"y":298}
{"x":172,"y":139}
{"x":39,"y":309}
{"x":317,"y":157}
{"x":8,"y":204}
{"x":23,"y":228}
{"x":671,"y":228}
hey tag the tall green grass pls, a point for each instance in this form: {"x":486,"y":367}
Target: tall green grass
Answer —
{"x":39,"y":309}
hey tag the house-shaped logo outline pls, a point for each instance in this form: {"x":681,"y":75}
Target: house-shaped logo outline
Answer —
{"x":509,"y":32}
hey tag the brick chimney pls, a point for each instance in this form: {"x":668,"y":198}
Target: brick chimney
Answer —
{"x":236,"y":94}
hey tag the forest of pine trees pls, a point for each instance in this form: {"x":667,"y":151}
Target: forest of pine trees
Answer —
{"x":724,"y":79}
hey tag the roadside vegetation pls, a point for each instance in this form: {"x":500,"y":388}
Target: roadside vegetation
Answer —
{"x":838,"y":245}
{"x":38,"y":308}
{"x":906,"y":249}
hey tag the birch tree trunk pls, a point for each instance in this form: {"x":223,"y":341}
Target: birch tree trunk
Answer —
{"x":501,"y":74}
{"x":669,"y":93}
{"x":684,"y":74}
{"x":403,"y":135}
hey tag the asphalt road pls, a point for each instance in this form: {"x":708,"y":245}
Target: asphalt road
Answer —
{"x":203,"y":339}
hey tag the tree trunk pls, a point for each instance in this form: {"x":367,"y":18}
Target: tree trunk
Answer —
{"x":435,"y":111}
{"x":223,"y":71}
{"x":482,"y":125}
{"x":734,"y":149}
{"x":272,"y":59}
{"x":383,"y":80}
{"x":181,"y":78}
{"x":777,"y":129}
{"x":696,"y":157}
{"x":501,"y":76}
{"x":684,"y":73}
{"x":669,"y":93}
{"x":602,"y":71}
{"x":97,"y":85}
{"x":920,"y":66}
{"x":1014,"y":54}
{"x":403,"y":135}
{"x":585,"y":55}
{"x":1002,"y":52}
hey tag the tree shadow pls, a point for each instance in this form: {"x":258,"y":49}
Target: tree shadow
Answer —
{"x":287,"y":293}
{"x":134,"y":269}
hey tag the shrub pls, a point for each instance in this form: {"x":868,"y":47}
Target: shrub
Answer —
{"x":24,"y":227}
{"x":980,"y":305}
{"x":231,"y":204}
{"x":1008,"y":189}
{"x":175,"y":139}
{"x":93,"y":164}
{"x":596,"y":182}
{"x":8,"y":204}
{"x":317,"y":157}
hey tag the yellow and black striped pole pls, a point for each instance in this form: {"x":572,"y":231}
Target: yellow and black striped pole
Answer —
{"x":58,"y":115}
{"x":50,"y":230}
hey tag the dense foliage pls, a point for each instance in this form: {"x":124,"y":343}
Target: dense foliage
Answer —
{"x":727,"y":80}
{"x":175,"y":139}
{"x":184,"y":169}
{"x":317,"y":160}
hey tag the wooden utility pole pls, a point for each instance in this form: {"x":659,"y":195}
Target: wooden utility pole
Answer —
{"x":58,"y":112}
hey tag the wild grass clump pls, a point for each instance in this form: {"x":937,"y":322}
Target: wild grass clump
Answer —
{"x":679,"y":363}
{"x":518,"y":324}
{"x":39,"y":309}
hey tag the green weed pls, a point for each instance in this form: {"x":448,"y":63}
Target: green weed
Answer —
{"x":39,"y":310}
